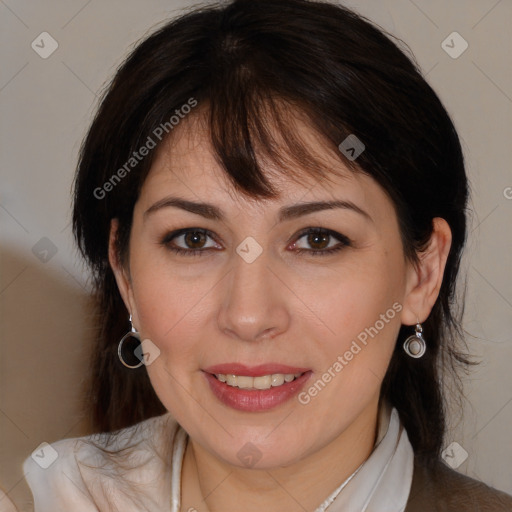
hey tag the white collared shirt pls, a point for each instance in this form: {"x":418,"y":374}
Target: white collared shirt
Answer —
{"x":381,"y":484}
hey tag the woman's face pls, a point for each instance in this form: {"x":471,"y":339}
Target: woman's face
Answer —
{"x":255,"y":300}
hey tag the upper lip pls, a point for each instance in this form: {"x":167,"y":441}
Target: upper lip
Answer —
{"x":253,"y":371}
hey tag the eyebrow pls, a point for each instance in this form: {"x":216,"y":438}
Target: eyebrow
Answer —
{"x":210,"y":211}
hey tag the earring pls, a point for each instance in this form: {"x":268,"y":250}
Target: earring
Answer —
{"x":415,"y":345}
{"x":131,"y":334}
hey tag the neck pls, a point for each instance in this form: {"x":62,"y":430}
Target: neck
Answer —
{"x":209,"y":484}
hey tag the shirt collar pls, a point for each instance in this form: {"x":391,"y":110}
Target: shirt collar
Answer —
{"x":383,"y":482}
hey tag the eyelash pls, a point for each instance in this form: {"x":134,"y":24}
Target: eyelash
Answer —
{"x":344,"y":241}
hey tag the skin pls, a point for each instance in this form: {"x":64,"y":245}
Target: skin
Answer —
{"x":284,"y":307}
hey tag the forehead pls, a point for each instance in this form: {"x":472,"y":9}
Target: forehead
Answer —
{"x":186,"y":163}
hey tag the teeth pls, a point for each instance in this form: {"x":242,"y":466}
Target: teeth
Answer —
{"x":241,"y":382}
{"x":277,"y":379}
{"x":263,"y":382}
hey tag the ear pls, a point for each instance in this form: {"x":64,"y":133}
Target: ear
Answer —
{"x":121,"y":274}
{"x":424,"y":280}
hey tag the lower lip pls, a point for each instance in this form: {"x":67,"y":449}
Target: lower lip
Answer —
{"x":256,"y":399}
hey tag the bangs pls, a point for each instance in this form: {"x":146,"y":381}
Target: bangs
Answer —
{"x":255,"y":135}
{"x":259,"y":136}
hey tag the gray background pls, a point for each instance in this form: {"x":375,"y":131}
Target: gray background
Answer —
{"x":45,"y":107}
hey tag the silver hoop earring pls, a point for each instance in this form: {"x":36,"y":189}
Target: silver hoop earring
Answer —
{"x":415,"y":345}
{"x":134,"y":334}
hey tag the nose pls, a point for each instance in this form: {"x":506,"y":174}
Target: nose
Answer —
{"x":254,"y":301}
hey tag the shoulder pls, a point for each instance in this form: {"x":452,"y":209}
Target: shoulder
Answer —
{"x":84,"y":472}
{"x":440,"y":488}
{"x":53,"y":476}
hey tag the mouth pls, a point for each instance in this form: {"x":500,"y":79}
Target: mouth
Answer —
{"x":253,"y":389}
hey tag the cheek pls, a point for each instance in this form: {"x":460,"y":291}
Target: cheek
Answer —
{"x":170,"y":312}
{"x":167,"y":305}
{"x":359,"y":313}
{"x":355,"y":295}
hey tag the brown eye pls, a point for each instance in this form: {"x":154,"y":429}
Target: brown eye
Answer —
{"x":318,"y":240}
{"x":189,"y":241}
{"x":321,"y":242}
{"x":194,"y":239}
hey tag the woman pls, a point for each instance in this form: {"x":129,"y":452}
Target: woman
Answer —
{"x":272,"y":202}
